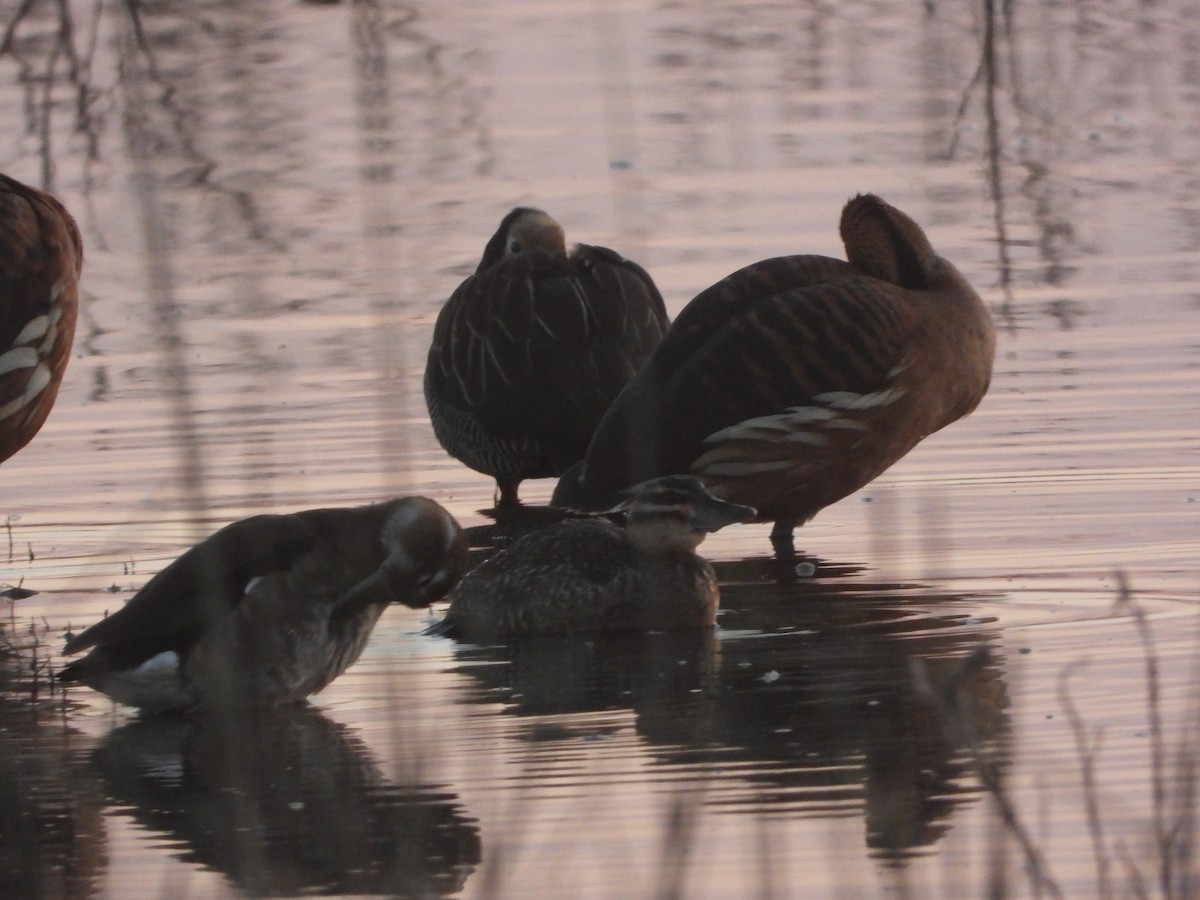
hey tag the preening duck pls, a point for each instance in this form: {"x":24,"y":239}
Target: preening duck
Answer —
{"x":797,"y":380}
{"x":529,"y":351}
{"x":271,"y":608}
{"x":41,"y":255}
{"x":591,"y":575}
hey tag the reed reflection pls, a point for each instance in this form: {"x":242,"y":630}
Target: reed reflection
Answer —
{"x":288,"y":802}
{"x":804,"y":703}
{"x":52,"y":837}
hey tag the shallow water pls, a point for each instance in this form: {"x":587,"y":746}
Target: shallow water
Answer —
{"x":275,"y":200}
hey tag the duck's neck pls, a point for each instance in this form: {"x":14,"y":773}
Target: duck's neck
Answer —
{"x":658,"y":536}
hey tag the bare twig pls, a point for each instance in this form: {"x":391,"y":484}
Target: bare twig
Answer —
{"x":1158,"y":782}
{"x":1087,"y":747}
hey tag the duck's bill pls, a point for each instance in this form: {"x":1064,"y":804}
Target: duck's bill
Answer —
{"x":713,"y":514}
{"x":372,"y":589}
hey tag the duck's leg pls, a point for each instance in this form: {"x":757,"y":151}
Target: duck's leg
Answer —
{"x":782,"y":539}
{"x":506,"y":499}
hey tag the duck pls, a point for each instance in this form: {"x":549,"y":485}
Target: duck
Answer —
{"x":797,"y":380}
{"x":591,"y":575}
{"x":269,"y":609}
{"x":41,"y":258}
{"x":530,"y":350}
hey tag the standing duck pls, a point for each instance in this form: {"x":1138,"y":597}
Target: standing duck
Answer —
{"x":41,"y":254}
{"x":270,"y":609}
{"x":529,"y":352}
{"x":795,"y":381}
{"x":591,"y":575}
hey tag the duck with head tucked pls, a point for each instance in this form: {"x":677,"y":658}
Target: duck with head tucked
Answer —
{"x":795,"y":381}
{"x":41,"y":255}
{"x":591,"y":575}
{"x":529,"y":351}
{"x":270,"y":609}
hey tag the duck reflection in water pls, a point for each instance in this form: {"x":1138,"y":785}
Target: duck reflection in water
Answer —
{"x":795,"y":381}
{"x":272,"y":608}
{"x":803,"y":703}
{"x":285,"y":802}
{"x":591,"y":575}
{"x":53,"y":841}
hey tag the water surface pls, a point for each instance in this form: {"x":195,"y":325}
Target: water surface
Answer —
{"x":277,"y":197}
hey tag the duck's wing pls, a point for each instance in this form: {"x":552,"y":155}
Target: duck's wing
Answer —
{"x":540,"y":345}
{"x":565,"y":578}
{"x":785,"y":371}
{"x":201,"y":586}
{"x":626,"y":315}
{"x":40,"y":257}
{"x":715,"y":306}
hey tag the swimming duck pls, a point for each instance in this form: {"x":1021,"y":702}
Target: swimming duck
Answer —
{"x":271,"y":608}
{"x":797,"y":380}
{"x":529,"y":351}
{"x":591,"y":575}
{"x":41,"y":254}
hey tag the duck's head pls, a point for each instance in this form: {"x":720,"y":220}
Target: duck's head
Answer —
{"x":425,"y":557}
{"x":522,"y":231}
{"x":677,"y":512}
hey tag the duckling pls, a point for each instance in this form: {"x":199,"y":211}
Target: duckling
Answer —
{"x":591,"y":575}
{"x":41,"y":255}
{"x":529,"y":352}
{"x":795,"y":381}
{"x":269,"y":609}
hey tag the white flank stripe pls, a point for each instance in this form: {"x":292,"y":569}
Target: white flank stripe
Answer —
{"x":847,"y":424}
{"x":47,"y":343}
{"x":153,"y":685}
{"x":851,"y":400}
{"x":18,"y":358}
{"x":738,"y":469}
{"x":11,"y":407}
{"x":37,"y":382}
{"x":782,"y":423}
{"x":33,"y":330}
{"x":808,"y":437}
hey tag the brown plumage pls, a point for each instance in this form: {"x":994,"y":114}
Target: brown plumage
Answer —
{"x":529,"y":352}
{"x":41,"y":254}
{"x":271,"y":608}
{"x":797,"y":380}
{"x":590,"y":575}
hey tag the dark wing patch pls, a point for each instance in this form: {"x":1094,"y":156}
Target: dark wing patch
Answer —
{"x":537,"y":347}
{"x":740,"y":357}
{"x":561,"y":579}
{"x":204,"y":584}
